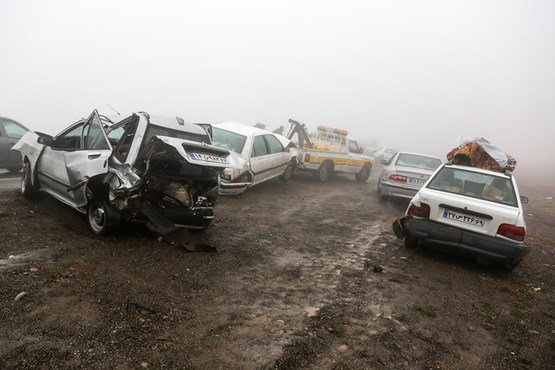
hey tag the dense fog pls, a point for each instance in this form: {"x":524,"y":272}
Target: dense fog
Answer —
{"x":415,"y":75}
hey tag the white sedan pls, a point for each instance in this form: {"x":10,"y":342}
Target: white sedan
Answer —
{"x":468,"y":210}
{"x":261,"y":155}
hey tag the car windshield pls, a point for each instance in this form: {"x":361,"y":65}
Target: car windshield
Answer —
{"x":228,"y":140}
{"x":417,"y":161}
{"x":476,"y":185}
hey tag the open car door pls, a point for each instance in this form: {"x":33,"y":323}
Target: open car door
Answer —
{"x":72,"y":158}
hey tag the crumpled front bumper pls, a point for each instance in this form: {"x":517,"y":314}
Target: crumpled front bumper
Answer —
{"x":232,"y":188}
{"x":455,"y":240}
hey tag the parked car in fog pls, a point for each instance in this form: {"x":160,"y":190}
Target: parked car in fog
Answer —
{"x":260,"y":155}
{"x":405,"y":173}
{"x":158,"y":170}
{"x":10,"y":133}
{"x":470,"y":211}
{"x":384,"y":153}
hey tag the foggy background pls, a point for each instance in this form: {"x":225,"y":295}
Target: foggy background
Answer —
{"x":415,"y":75}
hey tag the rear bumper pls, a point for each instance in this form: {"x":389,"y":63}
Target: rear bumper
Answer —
{"x":399,"y":191}
{"x":195,"y":218}
{"x":460,"y":241}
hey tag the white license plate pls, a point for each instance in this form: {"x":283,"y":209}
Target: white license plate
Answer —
{"x":465,"y":219}
{"x":412,"y":180}
{"x":208,"y":157}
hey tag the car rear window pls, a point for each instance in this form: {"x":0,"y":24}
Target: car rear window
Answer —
{"x":474,"y":184}
{"x":418,"y":161}
{"x":228,"y":140}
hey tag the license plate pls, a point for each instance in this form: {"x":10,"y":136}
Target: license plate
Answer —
{"x":465,"y":219}
{"x":412,"y":180}
{"x":208,"y":157}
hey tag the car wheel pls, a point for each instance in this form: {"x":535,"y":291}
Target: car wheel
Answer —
{"x":363,"y":174}
{"x":103,"y":218}
{"x":511,"y":266}
{"x":289,"y":170}
{"x":323,"y":173}
{"x":28,"y":190}
{"x":411,"y":243}
{"x":246,"y":177}
{"x":379,"y":189}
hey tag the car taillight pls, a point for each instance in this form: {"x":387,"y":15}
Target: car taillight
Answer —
{"x":398,"y":178}
{"x":307,"y":157}
{"x":512,"y":232}
{"x":419,"y":211}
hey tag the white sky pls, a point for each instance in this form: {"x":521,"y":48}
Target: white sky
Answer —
{"x":412,"y":74}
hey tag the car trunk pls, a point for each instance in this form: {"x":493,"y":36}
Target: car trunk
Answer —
{"x":179,"y":181}
{"x":468,"y":213}
{"x":416,"y":177}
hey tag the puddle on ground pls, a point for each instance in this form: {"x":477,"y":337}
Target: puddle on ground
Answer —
{"x":16,"y":260}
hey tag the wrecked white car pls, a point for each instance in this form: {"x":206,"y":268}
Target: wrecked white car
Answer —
{"x":259,"y":155}
{"x":157,"y":170}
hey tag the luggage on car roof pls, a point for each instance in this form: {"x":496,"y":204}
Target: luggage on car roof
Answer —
{"x":479,"y":152}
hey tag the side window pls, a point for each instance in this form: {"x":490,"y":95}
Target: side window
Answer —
{"x":94,"y":135}
{"x":13,"y":130}
{"x":126,"y":139}
{"x":353,"y":147}
{"x":273,"y":144}
{"x":259,"y":147}
{"x":69,"y":140}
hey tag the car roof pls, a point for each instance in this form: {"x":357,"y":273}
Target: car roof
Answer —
{"x":167,"y":122}
{"x":174,"y":123}
{"x":421,"y":155}
{"x":240,"y":128}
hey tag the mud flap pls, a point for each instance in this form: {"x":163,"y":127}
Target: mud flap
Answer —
{"x":400,"y":228}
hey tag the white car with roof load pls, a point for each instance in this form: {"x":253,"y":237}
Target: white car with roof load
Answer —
{"x":259,"y":155}
{"x":470,"y":211}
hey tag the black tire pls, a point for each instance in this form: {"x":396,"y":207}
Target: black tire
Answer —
{"x":379,"y":189}
{"x":28,"y":190}
{"x":323,"y":173}
{"x":289,"y":171}
{"x":102,"y":217}
{"x":511,"y":266}
{"x":411,"y":243}
{"x":364,"y":173}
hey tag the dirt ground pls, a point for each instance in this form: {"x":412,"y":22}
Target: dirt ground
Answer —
{"x":295,"y":283}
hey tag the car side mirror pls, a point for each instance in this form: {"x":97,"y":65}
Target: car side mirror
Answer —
{"x":44,"y":139}
{"x":383,"y":161}
{"x":523,"y":199}
{"x":360,"y":150}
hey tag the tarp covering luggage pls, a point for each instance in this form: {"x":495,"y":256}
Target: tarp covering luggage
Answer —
{"x":478,"y":152}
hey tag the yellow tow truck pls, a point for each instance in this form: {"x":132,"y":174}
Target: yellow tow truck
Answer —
{"x":327,"y":151}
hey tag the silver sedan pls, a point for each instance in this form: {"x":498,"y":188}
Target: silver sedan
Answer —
{"x":405,"y":173}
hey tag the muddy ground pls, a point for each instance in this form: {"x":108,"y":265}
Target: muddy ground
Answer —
{"x":292,"y":285}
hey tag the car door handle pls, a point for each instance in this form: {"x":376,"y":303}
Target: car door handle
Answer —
{"x":94,"y":156}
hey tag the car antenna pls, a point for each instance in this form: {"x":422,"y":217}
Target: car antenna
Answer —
{"x":109,"y":106}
